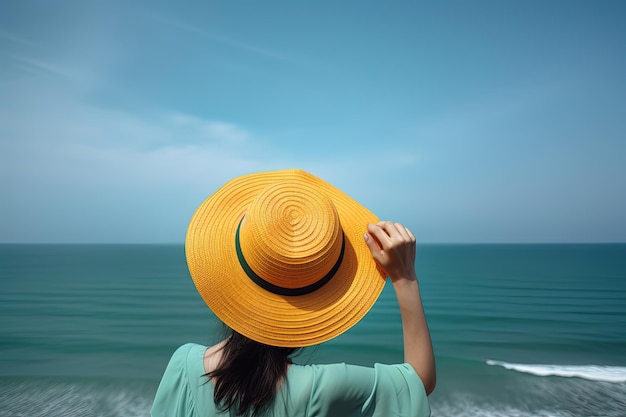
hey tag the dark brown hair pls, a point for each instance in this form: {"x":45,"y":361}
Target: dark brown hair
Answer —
{"x":249,"y":374}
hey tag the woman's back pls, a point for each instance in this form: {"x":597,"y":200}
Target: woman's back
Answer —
{"x":307,"y":391}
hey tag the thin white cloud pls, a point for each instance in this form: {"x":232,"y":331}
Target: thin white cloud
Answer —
{"x":37,"y":65}
{"x":210,"y":130}
{"x":218,"y":38}
{"x":49,"y":138}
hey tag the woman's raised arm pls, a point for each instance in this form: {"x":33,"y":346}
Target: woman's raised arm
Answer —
{"x":393,"y":247}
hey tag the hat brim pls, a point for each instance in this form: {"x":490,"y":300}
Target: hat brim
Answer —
{"x":289,"y":321}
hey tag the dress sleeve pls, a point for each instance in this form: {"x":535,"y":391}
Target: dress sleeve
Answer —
{"x":382,"y":391}
{"x":173,"y":397}
{"x":397,"y":391}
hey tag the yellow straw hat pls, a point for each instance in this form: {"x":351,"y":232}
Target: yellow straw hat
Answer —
{"x":280,"y":258}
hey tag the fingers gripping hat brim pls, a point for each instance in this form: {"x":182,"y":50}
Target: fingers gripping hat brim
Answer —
{"x":262,"y":315}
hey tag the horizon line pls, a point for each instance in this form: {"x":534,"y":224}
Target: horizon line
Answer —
{"x":418,"y":243}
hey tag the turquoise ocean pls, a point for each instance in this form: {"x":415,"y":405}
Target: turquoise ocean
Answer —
{"x":518,"y":330}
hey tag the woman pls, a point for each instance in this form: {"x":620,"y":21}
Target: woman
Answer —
{"x":287,"y":260}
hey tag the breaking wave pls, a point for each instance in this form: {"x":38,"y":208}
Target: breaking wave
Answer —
{"x":589,"y":372}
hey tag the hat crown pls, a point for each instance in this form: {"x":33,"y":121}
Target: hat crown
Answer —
{"x":291,"y":235}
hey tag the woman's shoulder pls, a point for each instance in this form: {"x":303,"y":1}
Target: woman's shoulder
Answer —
{"x":183,"y":356}
{"x":185,"y":362}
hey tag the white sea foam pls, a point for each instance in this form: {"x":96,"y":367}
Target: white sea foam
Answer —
{"x":61,"y":399}
{"x":590,"y":372}
{"x":467,"y":405}
{"x":447,"y":410}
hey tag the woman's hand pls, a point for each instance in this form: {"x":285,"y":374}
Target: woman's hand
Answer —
{"x":393,"y":247}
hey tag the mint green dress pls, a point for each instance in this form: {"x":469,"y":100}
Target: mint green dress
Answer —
{"x":335,"y":390}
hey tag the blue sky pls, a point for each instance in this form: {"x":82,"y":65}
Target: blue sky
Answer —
{"x":468,"y":121}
